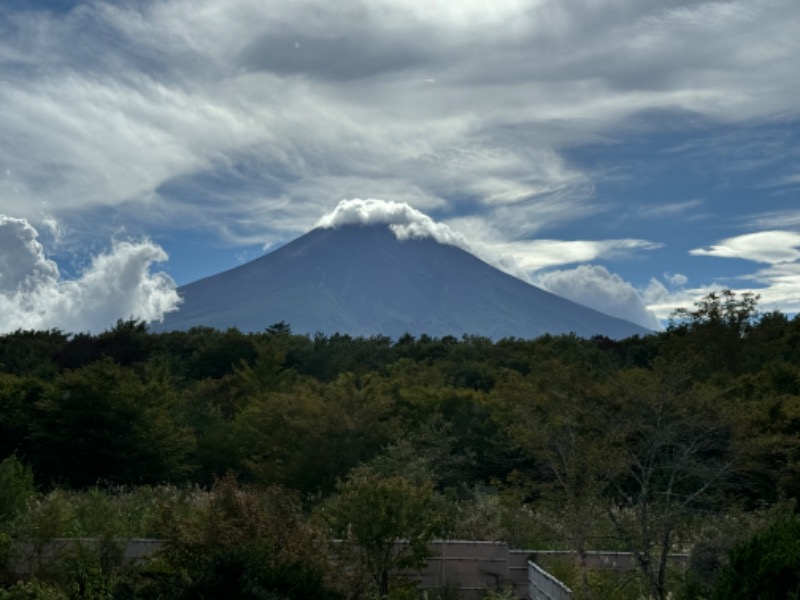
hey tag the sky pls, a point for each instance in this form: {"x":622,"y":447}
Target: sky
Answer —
{"x":633,"y":155}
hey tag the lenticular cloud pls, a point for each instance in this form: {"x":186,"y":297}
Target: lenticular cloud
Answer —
{"x":117,"y":285}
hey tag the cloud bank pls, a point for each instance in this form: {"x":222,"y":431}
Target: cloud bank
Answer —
{"x":595,"y":286}
{"x":117,"y":285}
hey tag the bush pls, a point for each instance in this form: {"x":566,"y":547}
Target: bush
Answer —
{"x":32,"y":590}
{"x":238,"y":543}
{"x":16,"y":488}
{"x":767,"y":566}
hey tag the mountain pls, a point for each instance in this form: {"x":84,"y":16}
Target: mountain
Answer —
{"x":362,"y":280}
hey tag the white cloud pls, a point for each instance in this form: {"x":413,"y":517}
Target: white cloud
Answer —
{"x":296,"y":99}
{"x":662,"y":301}
{"x":772,"y":247}
{"x":534,"y":255}
{"x":53,"y":228}
{"x":23,"y":265}
{"x":776,"y":219}
{"x":406,"y":222}
{"x":678,"y":279}
{"x":117,"y":285}
{"x":779,"y":287}
{"x":594,"y":286}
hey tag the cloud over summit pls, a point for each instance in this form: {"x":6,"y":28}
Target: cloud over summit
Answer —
{"x":404,"y":220}
{"x":407,"y":222}
{"x":590,"y":285}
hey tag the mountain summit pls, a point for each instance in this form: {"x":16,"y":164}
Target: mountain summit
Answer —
{"x":362,"y":280}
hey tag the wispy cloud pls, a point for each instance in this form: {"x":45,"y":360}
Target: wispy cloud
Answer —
{"x":668,"y":210}
{"x":779,"y":286}
{"x":306,"y":99}
{"x":775,"y":220}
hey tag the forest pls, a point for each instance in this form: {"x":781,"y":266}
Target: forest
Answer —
{"x":250,"y":453}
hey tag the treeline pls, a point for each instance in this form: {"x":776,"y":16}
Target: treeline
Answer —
{"x":683,"y":440}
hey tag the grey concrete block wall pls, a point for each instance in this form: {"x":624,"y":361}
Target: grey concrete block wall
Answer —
{"x":473,"y":567}
{"x":27,"y":557}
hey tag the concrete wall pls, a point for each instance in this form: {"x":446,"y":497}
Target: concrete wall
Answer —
{"x":473,"y":567}
{"x":605,"y":559}
{"x":27,"y":557}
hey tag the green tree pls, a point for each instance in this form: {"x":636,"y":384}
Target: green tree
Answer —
{"x":641,"y":451}
{"x":18,"y":399}
{"x":32,"y":353}
{"x":126,"y":343}
{"x":16,"y":489}
{"x":103,"y":422}
{"x":711,"y":337}
{"x":239,"y":543}
{"x":767,"y":566}
{"x":32,"y":590}
{"x":385,"y":522}
{"x":555,"y":419}
{"x":667,"y":454}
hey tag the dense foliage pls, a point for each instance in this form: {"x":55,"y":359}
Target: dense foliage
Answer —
{"x":766,"y":566}
{"x":683,"y":440}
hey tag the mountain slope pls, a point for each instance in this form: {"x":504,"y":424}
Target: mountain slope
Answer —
{"x":361,"y":280}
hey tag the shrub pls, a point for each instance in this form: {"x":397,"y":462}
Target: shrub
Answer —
{"x":16,"y":488}
{"x":766,"y":566}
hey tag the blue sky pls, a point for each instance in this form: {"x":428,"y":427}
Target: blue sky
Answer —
{"x":631,"y":154}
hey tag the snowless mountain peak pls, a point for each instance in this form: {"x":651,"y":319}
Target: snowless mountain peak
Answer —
{"x":352,"y":275}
